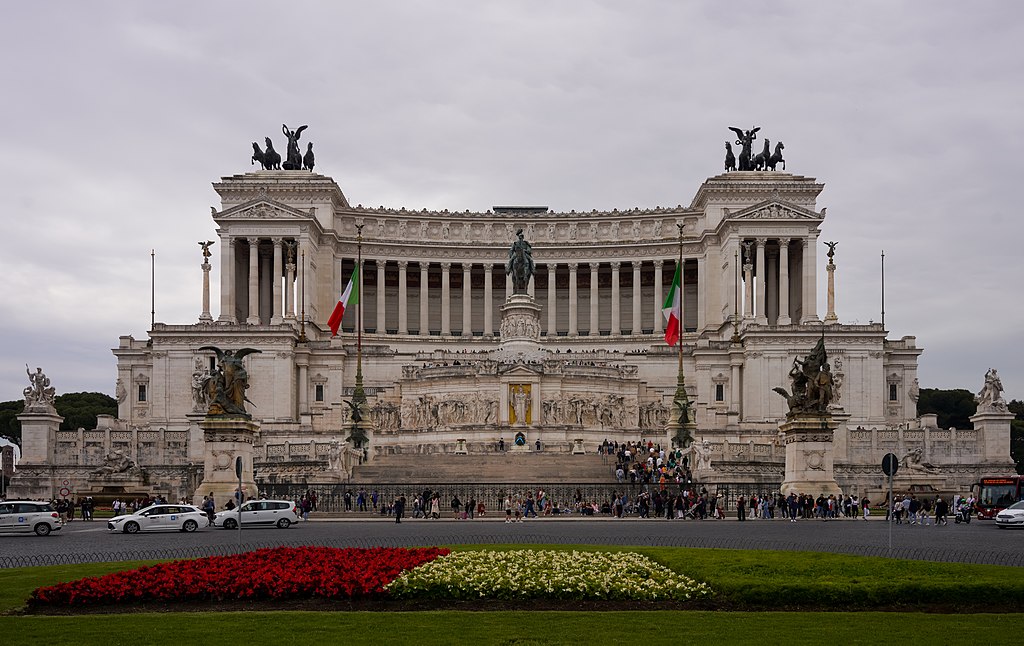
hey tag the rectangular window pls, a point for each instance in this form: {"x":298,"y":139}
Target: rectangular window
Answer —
{"x":142,"y":392}
{"x":719,"y":392}
{"x":893,"y":393}
{"x":319,"y":392}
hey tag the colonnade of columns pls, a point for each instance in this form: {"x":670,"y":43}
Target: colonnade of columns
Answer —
{"x":459,"y":299}
{"x":774,"y":293}
{"x":268,"y":277}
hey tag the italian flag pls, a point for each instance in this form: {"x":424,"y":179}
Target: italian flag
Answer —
{"x":673,"y":309}
{"x":349,"y":297}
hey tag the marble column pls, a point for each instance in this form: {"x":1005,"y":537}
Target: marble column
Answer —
{"x":552,"y":300}
{"x":594,"y":328}
{"x":205,"y":316}
{"x":734,"y":385}
{"x":424,"y":295}
{"x":509,"y":288}
{"x":759,"y":300}
{"x":810,"y":290}
{"x":659,"y":318}
{"x":467,"y":299}
{"x":748,"y":281}
{"x":830,"y":316}
{"x":403,"y":297}
{"x":266,"y":286}
{"x":278,"y":270}
{"x":573,"y":304}
{"x":303,"y":389}
{"x":382,"y":322}
{"x":701,"y":305}
{"x":289,"y":285}
{"x":784,"y":317}
{"x":446,"y":299}
{"x":227,"y":280}
{"x":616,"y":311}
{"x":637,"y":328}
{"x":772,"y":286}
{"x":488,"y":299}
{"x":254,"y":282}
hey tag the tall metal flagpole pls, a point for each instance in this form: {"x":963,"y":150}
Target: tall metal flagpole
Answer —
{"x":152,"y":288}
{"x":883,"y":289}
{"x":358,"y":395}
{"x":682,"y":402}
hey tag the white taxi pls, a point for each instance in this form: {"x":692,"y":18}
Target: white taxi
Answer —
{"x":160,"y":517}
{"x":1012,"y":516}
{"x":24,"y":516}
{"x":269,"y":513}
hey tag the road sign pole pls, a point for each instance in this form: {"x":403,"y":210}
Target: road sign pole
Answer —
{"x":892,"y":507}
{"x":238,"y":472}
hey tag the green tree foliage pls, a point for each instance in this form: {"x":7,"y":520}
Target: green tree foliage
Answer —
{"x":79,"y":410}
{"x":953,"y":406}
{"x":1016,"y":407}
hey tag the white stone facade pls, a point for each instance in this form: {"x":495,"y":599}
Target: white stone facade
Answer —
{"x":438,"y":371}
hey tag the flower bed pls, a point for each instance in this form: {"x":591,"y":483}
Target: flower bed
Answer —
{"x":529,"y":574}
{"x":267,"y":574}
{"x":295,"y":573}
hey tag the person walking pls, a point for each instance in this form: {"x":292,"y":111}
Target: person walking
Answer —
{"x":399,"y":509}
{"x":741,"y":508}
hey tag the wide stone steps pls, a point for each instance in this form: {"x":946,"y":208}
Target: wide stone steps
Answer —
{"x":508,"y":467}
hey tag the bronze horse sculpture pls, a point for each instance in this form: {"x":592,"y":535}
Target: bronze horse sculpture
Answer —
{"x":271,"y":158}
{"x":257,"y":156}
{"x":730,"y":159}
{"x":776,"y":158}
{"x":760,"y":161}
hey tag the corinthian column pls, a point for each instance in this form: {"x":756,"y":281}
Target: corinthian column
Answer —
{"x":467,"y":299}
{"x":382,"y":327}
{"x":403,"y":297}
{"x":552,"y":300}
{"x":424,"y":294}
{"x":636,"y":327}
{"x":830,"y":316}
{"x":275,"y":313}
{"x":227,"y":280}
{"x":784,"y":318}
{"x":658,"y":296}
{"x":289,"y":284}
{"x":762,"y":315}
{"x":810,"y":288}
{"x":446,"y":299}
{"x":573,"y":305}
{"x":488,"y":299}
{"x":254,"y":282}
{"x":616,"y":313}
{"x":205,"y":316}
{"x":595,"y":328}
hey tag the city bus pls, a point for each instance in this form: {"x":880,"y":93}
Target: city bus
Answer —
{"x":996,"y":494}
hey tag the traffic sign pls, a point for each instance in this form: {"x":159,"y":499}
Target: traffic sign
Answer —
{"x":238,"y":467}
{"x":890,"y":464}
{"x":64,"y":492}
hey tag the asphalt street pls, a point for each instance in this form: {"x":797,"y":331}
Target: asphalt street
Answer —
{"x":981,"y":542}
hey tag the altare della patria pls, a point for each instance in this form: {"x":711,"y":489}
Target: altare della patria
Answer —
{"x":507,"y":346}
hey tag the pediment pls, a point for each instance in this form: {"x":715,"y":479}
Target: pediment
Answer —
{"x":775,"y":210}
{"x":263,"y":209}
{"x":522,"y":370}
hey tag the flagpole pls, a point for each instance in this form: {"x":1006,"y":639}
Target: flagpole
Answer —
{"x":883,"y":289}
{"x":152,"y":288}
{"x":681,"y":400}
{"x":359,"y":395}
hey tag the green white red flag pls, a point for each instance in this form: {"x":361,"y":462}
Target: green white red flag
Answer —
{"x":349,"y":297}
{"x":673,"y":309}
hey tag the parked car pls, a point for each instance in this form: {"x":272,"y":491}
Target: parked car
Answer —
{"x":280,"y":513}
{"x":1012,"y":516}
{"x":25,"y":516}
{"x":160,"y":517}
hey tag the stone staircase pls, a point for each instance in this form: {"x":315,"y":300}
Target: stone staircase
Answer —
{"x":509,"y":467}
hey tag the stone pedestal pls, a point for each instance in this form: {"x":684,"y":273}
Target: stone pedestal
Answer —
{"x":809,"y":455}
{"x":34,"y":478}
{"x":227,"y":438}
{"x":520,"y":330}
{"x":993,"y":428}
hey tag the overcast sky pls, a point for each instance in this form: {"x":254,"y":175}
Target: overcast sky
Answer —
{"x":118,"y":116}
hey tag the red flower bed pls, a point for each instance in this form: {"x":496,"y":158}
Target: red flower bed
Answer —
{"x":267,"y":574}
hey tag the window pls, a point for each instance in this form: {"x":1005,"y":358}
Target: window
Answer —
{"x":719,"y":392}
{"x":319,"y":393}
{"x":142,"y":392}
{"x":893,"y":393}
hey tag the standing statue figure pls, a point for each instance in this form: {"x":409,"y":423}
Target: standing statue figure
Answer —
{"x":520,"y":404}
{"x":40,"y":393}
{"x":990,"y":397}
{"x":520,"y":263}
{"x":831,"y":250}
{"x":293,"y":160}
{"x":746,"y":140}
{"x":206,"y":249}
{"x":226,"y":387}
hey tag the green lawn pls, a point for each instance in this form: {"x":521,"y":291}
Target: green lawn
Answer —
{"x":742,"y":578}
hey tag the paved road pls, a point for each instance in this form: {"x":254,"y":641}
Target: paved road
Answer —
{"x":979,"y":542}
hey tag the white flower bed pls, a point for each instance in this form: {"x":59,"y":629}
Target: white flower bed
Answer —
{"x":528,"y":574}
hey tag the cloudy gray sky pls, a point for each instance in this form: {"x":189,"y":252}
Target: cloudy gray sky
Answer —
{"x":118,"y":116}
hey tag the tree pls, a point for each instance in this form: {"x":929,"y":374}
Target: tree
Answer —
{"x":79,"y":410}
{"x":1016,"y":407}
{"x":953,"y":406}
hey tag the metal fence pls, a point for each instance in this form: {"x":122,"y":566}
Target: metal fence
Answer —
{"x":331,"y":499}
{"x":1014,"y":558}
